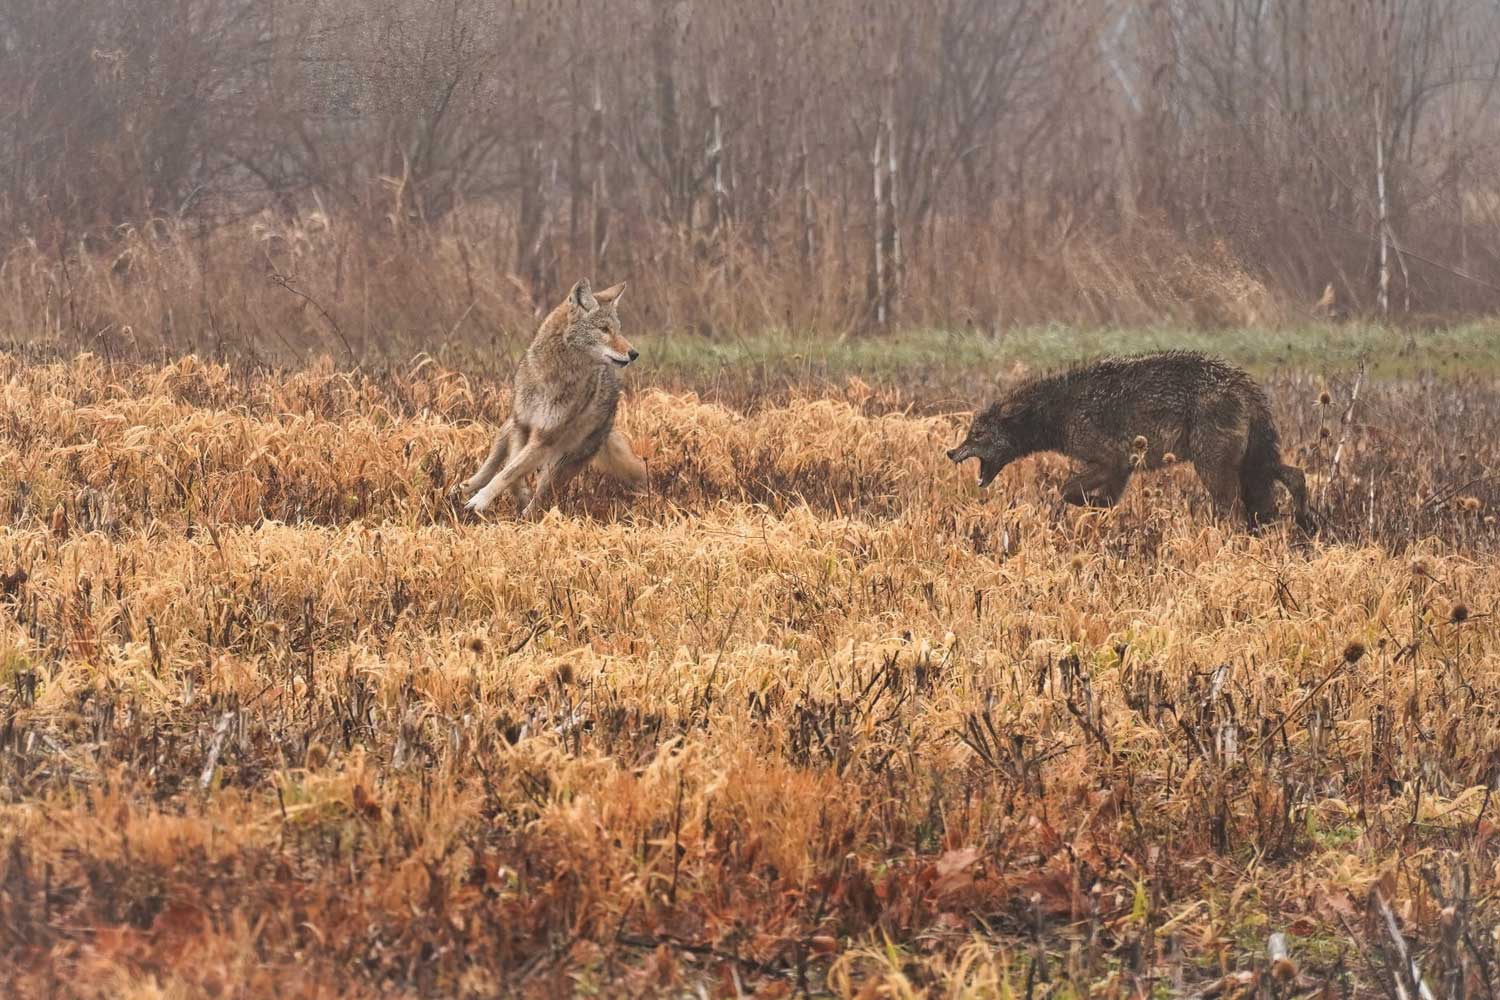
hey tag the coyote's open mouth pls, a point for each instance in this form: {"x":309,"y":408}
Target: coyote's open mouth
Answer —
{"x":987,"y":470}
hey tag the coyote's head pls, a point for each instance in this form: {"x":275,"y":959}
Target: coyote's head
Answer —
{"x":989,"y":440}
{"x":594,"y":324}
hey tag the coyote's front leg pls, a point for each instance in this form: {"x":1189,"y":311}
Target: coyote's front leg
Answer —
{"x":507,"y":442}
{"x":520,"y":465}
{"x":1096,"y":485}
{"x":491,"y":465}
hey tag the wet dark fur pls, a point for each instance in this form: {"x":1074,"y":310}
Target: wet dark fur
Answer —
{"x":1189,"y":405}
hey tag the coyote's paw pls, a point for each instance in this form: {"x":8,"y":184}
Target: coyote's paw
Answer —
{"x":467,"y":488}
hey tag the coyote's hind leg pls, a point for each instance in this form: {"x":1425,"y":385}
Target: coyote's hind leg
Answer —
{"x":551,"y":481}
{"x":618,"y":460}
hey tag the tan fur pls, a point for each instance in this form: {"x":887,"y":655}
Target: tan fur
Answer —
{"x":617,"y":460}
{"x":567,"y":389}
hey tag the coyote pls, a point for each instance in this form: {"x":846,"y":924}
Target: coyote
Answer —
{"x":567,"y":387}
{"x":1120,"y":414}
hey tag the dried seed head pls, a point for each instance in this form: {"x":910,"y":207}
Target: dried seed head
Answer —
{"x":1459,"y":614}
{"x":1324,"y":399}
{"x":1324,"y":432}
{"x":1463,"y":457}
{"x":1284,"y":970}
{"x":1169,"y":459}
{"x":1419,"y":567}
{"x":1354,"y":652}
{"x":1078,"y":564}
{"x":1489,"y":520}
{"x":564,"y":675}
{"x":1471,"y":503}
{"x":1140,"y":442}
{"x":476,"y":645}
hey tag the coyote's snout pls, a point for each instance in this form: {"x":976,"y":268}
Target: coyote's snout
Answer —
{"x":1120,"y":414}
{"x":618,"y":350}
{"x":567,"y":388}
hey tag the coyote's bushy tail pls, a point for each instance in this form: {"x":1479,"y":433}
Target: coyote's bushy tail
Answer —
{"x":1296,"y":484}
{"x":1263,"y":466}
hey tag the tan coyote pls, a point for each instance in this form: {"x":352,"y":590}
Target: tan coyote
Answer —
{"x":567,"y":388}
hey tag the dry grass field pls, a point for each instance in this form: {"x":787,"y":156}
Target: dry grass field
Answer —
{"x":815,"y":717}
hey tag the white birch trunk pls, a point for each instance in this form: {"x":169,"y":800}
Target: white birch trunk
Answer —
{"x":1382,"y":210}
{"x":892,"y":215}
{"x":879,"y":233}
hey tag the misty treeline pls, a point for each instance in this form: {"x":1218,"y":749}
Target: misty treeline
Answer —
{"x":417,"y":167}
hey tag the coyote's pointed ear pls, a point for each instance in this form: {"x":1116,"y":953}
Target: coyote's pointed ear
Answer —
{"x":611,"y":294}
{"x":582,"y":297}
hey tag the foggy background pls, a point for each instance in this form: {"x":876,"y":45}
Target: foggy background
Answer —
{"x":383,"y":174}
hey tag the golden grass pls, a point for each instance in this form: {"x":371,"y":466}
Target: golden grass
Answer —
{"x":812,"y":715}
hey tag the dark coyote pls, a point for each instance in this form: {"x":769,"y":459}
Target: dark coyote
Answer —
{"x":1120,"y":414}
